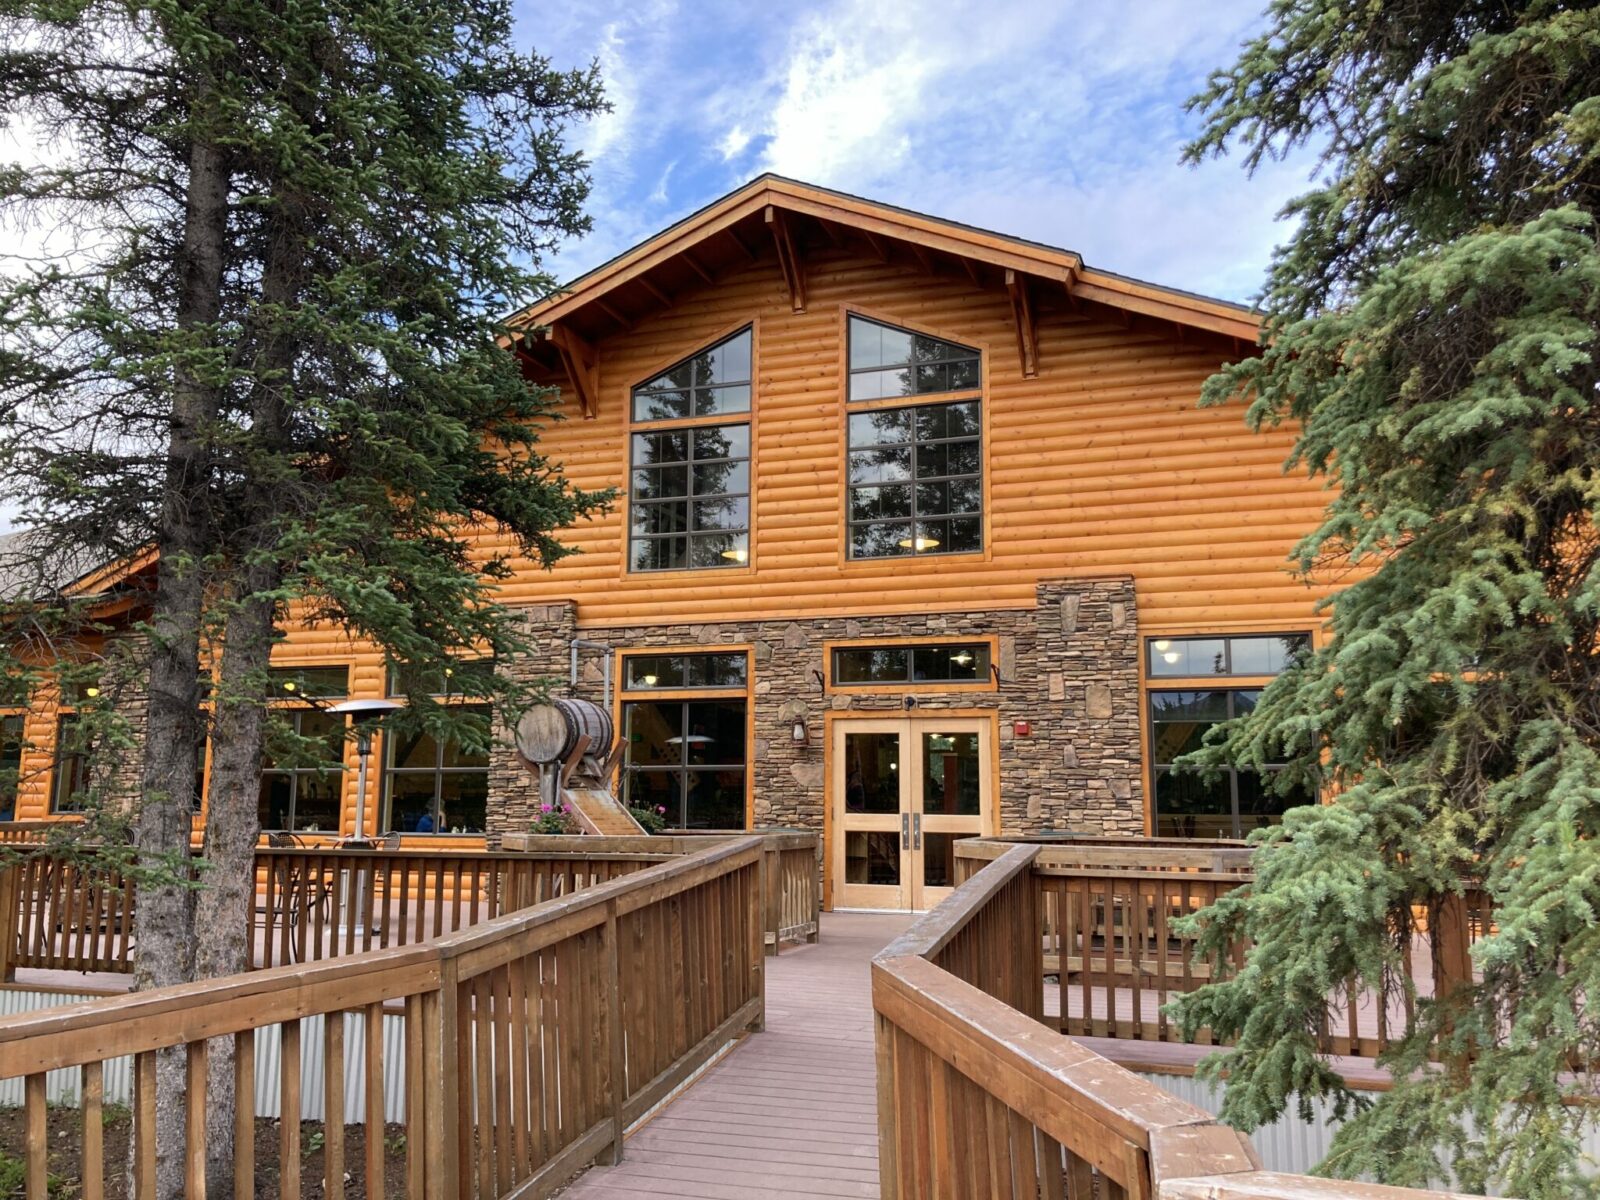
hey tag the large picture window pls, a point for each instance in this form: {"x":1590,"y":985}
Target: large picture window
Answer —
{"x":71,"y":766}
{"x":434,"y":785}
{"x":689,"y":489}
{"x":1229,"y":803}
{"x":686,"y":758}
{"x":11,"y":740}
{"x":301,"y":786}
{"x":1251,"y":654}
{"x":916,"y":480}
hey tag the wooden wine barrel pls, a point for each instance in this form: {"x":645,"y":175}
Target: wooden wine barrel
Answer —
{"x":547,"y":733}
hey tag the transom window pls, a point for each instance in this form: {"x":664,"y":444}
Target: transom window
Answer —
{"x":951,"y":663}
{"x":1256,"y":654}
{"x":309,"y":683}
{"x":710,"y":382}
{"x":689,"y":490}
{"x":916,"y":480}
{"x":886,"y":361}
{"x":646,"y":672}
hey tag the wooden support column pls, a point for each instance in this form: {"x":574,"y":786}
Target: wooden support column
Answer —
{"x":582,"y":367}
{"x":789,"y":260}
{"x":1022,"y":315}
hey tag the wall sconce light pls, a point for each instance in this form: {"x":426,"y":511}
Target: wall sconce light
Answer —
{"x":91,"y":692}
{"x":800,"y":734}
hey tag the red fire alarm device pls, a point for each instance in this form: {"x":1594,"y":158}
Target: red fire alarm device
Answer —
{"x":1021,"y":728}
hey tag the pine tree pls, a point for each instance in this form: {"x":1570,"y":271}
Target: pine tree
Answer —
{"x":1432,"y":327}
{"x":271,"y":353}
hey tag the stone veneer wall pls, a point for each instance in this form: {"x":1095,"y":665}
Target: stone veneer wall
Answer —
{"x":1069,"y":667}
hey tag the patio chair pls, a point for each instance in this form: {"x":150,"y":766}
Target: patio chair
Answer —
{"x":292,"y":899}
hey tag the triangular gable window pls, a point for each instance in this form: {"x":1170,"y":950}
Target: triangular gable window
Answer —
{"x":708,"y":383}
{"x":888,"y":362}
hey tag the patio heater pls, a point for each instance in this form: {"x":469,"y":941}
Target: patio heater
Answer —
{"x":363,"y":711}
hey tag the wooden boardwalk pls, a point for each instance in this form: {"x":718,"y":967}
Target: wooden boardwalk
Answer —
{"x":789,"y":1112}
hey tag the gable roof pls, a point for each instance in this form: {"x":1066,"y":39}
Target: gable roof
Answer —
{"x":784,"y":214}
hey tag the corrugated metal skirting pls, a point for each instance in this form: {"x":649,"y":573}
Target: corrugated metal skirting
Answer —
{"x":62,"y":1087}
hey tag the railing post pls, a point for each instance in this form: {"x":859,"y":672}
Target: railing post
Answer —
{"x":771,"y":893}
{"x":442,"y":1055}
{"x":757,"y":936}
{"x":10,"y":903}
{"x":888,"y":1141}
{"x":614,"y":1031}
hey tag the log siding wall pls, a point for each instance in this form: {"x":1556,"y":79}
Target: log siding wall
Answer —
{"x":1101,"y":466}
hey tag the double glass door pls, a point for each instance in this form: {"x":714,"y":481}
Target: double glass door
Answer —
{"x":905,"y":790}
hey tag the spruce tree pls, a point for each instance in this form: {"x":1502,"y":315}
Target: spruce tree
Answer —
{"x":270,"y":350}
{"x":1431,"y":327}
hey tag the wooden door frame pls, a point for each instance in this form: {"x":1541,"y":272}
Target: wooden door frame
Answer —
{"x":832,"y":717}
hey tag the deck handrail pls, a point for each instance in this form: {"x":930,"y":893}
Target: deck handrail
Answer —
{"x":531,"y":1041}
{"x":978,"y":1098}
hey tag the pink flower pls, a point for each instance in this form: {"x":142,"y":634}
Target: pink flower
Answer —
{"x":662,"y":809}
{"x":563,"y":808}
{"x":544,"y":808}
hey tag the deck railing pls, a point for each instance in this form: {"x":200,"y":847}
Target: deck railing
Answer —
{"x":978,"y":1098}
{"x":317,"y":903}
{"x":791,"y":858}
{"x":1111,"y":956}
{"x":531,"y":1041}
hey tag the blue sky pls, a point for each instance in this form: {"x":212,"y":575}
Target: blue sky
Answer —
{"x":1058,"y":121}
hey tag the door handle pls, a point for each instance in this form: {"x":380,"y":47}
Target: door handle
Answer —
{"x":905,"y":831}
{"x":916,"y":831}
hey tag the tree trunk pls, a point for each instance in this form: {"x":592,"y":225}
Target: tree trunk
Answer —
{"x":223,"y":905}
{"x":163,"y":918}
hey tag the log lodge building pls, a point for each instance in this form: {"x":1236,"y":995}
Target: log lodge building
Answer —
{"x":922,"y":534}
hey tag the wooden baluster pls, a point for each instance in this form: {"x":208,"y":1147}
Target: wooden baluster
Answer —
{"x":289,"y":1114}
{"x":194,"y":1122}
{"x":372,"y":1030}
{"x":416,"y":1109}
{"x":144,"y":1126}
{"x":333,"y":1105}
{"x":36,"y":1139}
{"x":94,"y":1154}
{"x":500,"y":998}
{"x":244,"y":1114}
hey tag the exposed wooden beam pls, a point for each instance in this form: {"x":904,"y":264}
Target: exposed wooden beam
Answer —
{"x":974,"y":272}
{"x":1070,"y":287}
{"x":616,"y":316}
{"x":655,"y":291}
{"x":879,"y":250}
{"x":834,"y":234}
{"x":789,"y":260}
{"x":695,"y":265}
{"x":582,"y":367}
{"x":923,"y":259}
{"x":740,"y":242}
{"x":1022,"y":315}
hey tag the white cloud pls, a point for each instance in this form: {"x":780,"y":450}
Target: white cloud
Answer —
{"x":733,"y":143}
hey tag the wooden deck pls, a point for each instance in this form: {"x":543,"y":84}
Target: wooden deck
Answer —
{"x":789,"y":1112}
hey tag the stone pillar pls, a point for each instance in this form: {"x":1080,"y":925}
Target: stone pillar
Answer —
{"x":514,"y":790}
{"x":1088,"y":662}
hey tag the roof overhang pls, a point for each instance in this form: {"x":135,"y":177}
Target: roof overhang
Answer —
{"x":773,"y":217}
